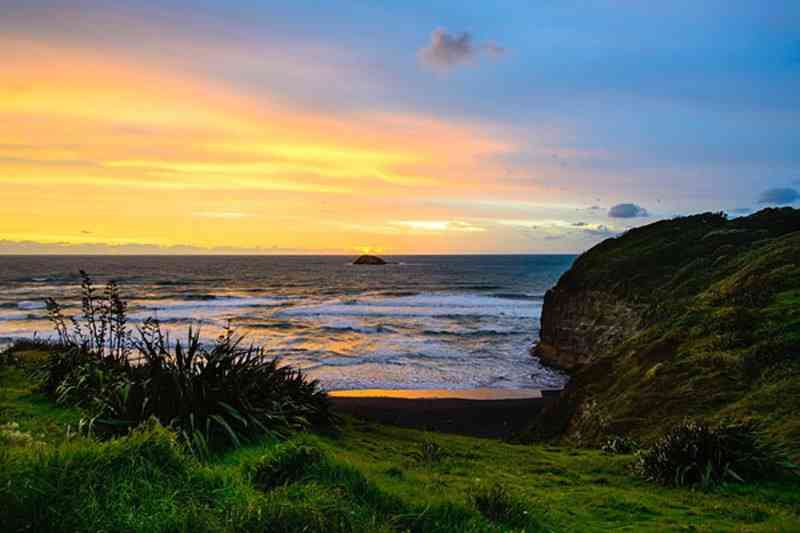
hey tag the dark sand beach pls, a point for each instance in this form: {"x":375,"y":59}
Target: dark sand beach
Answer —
{"x":491,"y":413}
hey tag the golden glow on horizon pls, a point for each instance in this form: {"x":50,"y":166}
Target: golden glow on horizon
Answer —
{"x":94,"y":150}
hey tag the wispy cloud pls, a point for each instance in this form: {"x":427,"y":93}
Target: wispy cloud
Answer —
{"x":600,"y":230}
{"x":439,"y":225}
{"x":562,"y":227}
{"x":446,"y":50}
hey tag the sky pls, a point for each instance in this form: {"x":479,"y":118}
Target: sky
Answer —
{"x":388,"y":127}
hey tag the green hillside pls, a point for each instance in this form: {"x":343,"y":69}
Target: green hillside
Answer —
{"x":365,"y":478}
{"x":717,"y":333}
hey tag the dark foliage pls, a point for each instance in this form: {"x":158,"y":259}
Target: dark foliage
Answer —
{"x":618,"y":444}
{"x":697,"y":454}
{"x":216,"y":394}
{"x":429,"y":452}
{"x":103,"y":327}
{"x":212,"y":395}
{"x":8,"y":358}
{"x":497,"y":504}
{"x":288,"y":463}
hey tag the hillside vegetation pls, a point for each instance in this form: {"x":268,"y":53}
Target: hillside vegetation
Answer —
{"x":364,"y":478}
{"x":708,"y":326}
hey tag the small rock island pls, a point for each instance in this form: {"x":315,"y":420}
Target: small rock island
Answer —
{"x":369,"y":260}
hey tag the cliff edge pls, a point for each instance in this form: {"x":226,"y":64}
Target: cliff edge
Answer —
{"x":697,"y":316}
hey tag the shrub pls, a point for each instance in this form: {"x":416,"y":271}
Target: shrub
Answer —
{"x":286,"y":464}
{"x":498,"y":505}
{"x":429,"y":452}
{"x":618,"y":444}
{"x":694,"y":453}
{"x":88,"y":382}
{"x":218,"y":394}
{"x":211,"y":395}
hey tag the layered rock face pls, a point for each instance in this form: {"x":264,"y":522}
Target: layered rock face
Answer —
{"x":579,"y":324}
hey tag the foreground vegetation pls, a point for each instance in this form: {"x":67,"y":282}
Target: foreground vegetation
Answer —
{"x":363,"y":478}
{"x":213,"y":395}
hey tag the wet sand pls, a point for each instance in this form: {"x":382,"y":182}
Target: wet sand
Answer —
{"x":495,"y":413}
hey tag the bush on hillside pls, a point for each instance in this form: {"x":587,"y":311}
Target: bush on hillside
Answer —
{"x":619,"y":444}
{"x":697,"y":454}
{"x":497,"y":504}
{"x":429,"y":452}
{"x":286,"y":464}
{"x":212,"y":395}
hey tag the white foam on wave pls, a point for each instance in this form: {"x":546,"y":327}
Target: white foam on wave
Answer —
{"x":29,"y":305}
{"x":13,"y":316}
{"x":203,"y":310}
{"x":228,"y":301}
{"x":421,"y":305}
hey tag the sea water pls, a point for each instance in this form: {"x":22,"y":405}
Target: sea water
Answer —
{"x":439,"y":322}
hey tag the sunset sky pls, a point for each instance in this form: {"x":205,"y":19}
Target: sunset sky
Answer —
{"x":392,"y":127}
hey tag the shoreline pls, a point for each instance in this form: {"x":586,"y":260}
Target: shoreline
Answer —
{"x":488,"y":413}
{"x":479,"y":393}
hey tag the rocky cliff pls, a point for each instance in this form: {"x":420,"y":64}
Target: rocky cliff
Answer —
{"x":580,"y":323}
{"x":692,"y":317}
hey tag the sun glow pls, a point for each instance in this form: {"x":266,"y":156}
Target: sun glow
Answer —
{"x":130,"y":150}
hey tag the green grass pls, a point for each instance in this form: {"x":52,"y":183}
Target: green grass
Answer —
{"x":367,"y":477}
{"x":32,"y":411}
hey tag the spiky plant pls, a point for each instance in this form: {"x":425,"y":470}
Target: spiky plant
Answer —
{"x":212,"y":395}
{"x":694,"y":453}
{"x":221,"y":394}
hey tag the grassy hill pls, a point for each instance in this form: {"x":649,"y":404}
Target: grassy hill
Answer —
{"x":707,"y":314}
{"x":364,"y":478}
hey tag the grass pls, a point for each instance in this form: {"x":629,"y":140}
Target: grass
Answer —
{"x":32,"y":411}
{"x":366,"y":477}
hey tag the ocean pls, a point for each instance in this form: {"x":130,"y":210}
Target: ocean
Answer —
{"x":438,"y":322}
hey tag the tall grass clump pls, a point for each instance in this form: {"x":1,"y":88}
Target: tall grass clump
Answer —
{"x":287,"y":463}
{"x":694,"y":453}
{"x":497,"y":504}
{"x":213,"y":394}
{"x":429,"y":452}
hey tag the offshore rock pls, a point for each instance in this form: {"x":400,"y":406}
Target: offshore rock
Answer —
{"x":369,"y":260}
